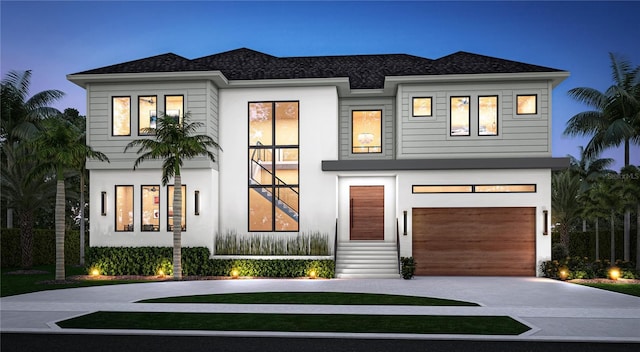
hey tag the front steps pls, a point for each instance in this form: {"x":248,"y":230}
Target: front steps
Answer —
{"x":367,"y":260}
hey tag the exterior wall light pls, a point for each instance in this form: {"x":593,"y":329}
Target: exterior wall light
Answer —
{"x":404,"y":215}
{"x":545,"y":232}
{"x":196,"y":198}
{"x":103,"y":203}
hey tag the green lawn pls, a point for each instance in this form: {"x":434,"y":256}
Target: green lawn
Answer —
{"x":15,"y":284}
{"x":335,"y":298}
{"x":410,"y":324}
{"x":629,"y":289}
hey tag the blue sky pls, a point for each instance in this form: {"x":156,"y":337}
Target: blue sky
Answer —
{"x":54,"y":38}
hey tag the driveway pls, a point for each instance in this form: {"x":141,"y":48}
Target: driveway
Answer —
{"x":554,"y":310}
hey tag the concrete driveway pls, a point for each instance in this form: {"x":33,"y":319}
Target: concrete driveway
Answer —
{"x":554,"y":310}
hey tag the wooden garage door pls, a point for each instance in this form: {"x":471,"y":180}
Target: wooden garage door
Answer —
{"x":474,"y":241}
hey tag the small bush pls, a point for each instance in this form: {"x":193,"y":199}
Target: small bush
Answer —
{"x":408,"y":267}
{"x":584,"y":268}
{"x":197,"y":262}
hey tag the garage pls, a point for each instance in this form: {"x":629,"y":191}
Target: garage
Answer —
{"x":474,"y":241}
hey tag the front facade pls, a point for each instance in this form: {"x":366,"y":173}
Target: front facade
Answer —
{"x":446,"y":160}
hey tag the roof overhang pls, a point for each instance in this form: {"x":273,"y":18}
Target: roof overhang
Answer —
{"x":446,"y":164}
{"x":555,"y":77}
{"x":83,"y":79}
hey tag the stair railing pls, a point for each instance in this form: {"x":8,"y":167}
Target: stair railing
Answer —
{"x":335,"y":244}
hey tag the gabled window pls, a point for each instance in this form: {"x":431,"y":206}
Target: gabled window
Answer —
{"x":273,"y":166}
{"x":121,"y":116}
{"x":367,"y":131}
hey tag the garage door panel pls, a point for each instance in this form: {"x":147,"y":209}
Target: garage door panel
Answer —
{"x":474,"y":241}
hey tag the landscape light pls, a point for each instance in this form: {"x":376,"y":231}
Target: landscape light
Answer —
{"x":235,"y":273}
{"x":564,"y":274}
{"x":95,"y":272}
{"x":614,"y":273}
{"x":313,"y":274}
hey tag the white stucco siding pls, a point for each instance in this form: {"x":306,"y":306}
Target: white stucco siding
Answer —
{"x":318,"y":138}
{"x":200,"y":228}
{"x":541,"y":199}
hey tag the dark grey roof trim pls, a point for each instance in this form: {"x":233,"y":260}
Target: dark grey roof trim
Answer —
{"x":445,"y":164}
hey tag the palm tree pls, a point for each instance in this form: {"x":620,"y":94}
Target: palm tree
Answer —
{"x":565,"y":190}
{"x":173,"y":142}
{"x":615,"y":119}
{"x":26,"y":194}
{"x":59,"y":146}
{"x":596,"y":208}
{"x":588,"y":169}
{"x":631,"y":191}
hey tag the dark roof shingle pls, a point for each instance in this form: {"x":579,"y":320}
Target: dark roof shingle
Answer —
{"x":363,"y":71}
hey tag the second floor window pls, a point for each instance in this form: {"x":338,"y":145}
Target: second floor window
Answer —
{"x":121,"y":116}
{"x":147,"y":114}
{"x":488,"y":115}
{"x":174,"y":106}
{"x":367,"y":131}
{"x":459,"y":110}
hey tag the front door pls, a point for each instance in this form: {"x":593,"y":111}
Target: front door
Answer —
{"x":366,"y":212}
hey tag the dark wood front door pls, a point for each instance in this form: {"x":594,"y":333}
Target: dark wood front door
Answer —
{"x":366,"y":210}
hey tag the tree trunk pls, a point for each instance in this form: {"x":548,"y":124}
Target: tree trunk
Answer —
{"x":564,"y":236}
{"x":613,"y":240}
{"x":26,"y":238}
{"x":60,"y":227}
{"x":627,"y":235}
{"x":177,"y":227}
{"x":82,"y":217}
{"x":9,"y":218}
{"x":597,"y":241}
{"x":584,"y":225}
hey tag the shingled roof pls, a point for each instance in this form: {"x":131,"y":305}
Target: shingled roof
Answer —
{"x":363,"y":71}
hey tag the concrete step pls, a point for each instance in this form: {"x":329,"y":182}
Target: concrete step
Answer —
{"x":367,"y":259}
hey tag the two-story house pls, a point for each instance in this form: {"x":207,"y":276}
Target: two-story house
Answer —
{"x":448,"y":160}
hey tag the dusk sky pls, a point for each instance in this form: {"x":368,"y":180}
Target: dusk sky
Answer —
{"x":54,"y":38}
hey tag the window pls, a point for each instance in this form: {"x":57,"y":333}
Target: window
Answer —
{"x":121,"y":116}
{"x":367,"y":131}
{"x":498,"y":188}
{"x":459,"y":110}
{"x":422,"y":107}
{"x":273,"y":166}
{"x":151,"y":208}
{"x":527,"y":104}
{"x":147,"y":114}
{"x":170,"y":208}
{"x":488,"y":115}
{"x":124,"y":208}
{"x":174,"y":106}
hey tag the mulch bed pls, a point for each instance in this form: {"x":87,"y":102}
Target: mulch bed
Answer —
{"x":605,"y":281}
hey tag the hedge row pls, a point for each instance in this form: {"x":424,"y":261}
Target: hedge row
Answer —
{"x":583,"y":244}
{"x":44,"y":247}
{"x":584,"y":268}
{"x":196,"y":262}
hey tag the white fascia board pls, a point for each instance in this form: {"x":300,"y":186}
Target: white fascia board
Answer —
{"x":83,"y":79}
{"x":555,"y":77}
{"x":342,"y":83}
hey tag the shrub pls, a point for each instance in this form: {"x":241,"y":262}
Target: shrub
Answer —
{"x":408,"y":267}
{"x":232,"y":243}
{"x":44,"y":247}
{"x":196,"y":262}
{"x":584,"y":268}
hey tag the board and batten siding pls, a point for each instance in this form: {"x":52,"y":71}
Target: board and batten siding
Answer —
{"x":518,"y":135}
{"x":200,"y":100}
{"x":345,"y":128}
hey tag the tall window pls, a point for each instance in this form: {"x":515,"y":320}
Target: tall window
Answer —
{"x":488,"y":115}
{"x":367,"y":131}
{"x":459,"y":110}
{"x":273,"y":166}
{"x":124,"y":208}
{"x":121,"y":116}
{"x":147,"y":114}
{"x":174,"y":106}
{"x":151,"y":208}
{"x":170,"y":208}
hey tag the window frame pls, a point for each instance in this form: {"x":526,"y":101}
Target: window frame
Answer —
{"x":181,"y":112}
{"x":473,"y":188}
{"x":184,"y":208}
{"x":140,"y":114}
{"x":413,"y":105}
{"x":529,"y":114}
{"x":351,"y":137}
{"x":113,"y":115}
{"x":133,"y":213}
{"x":497,"y":115}
{"x":142,"y":209}
{"x":273,"y":148}
{"x":468,"y":97}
